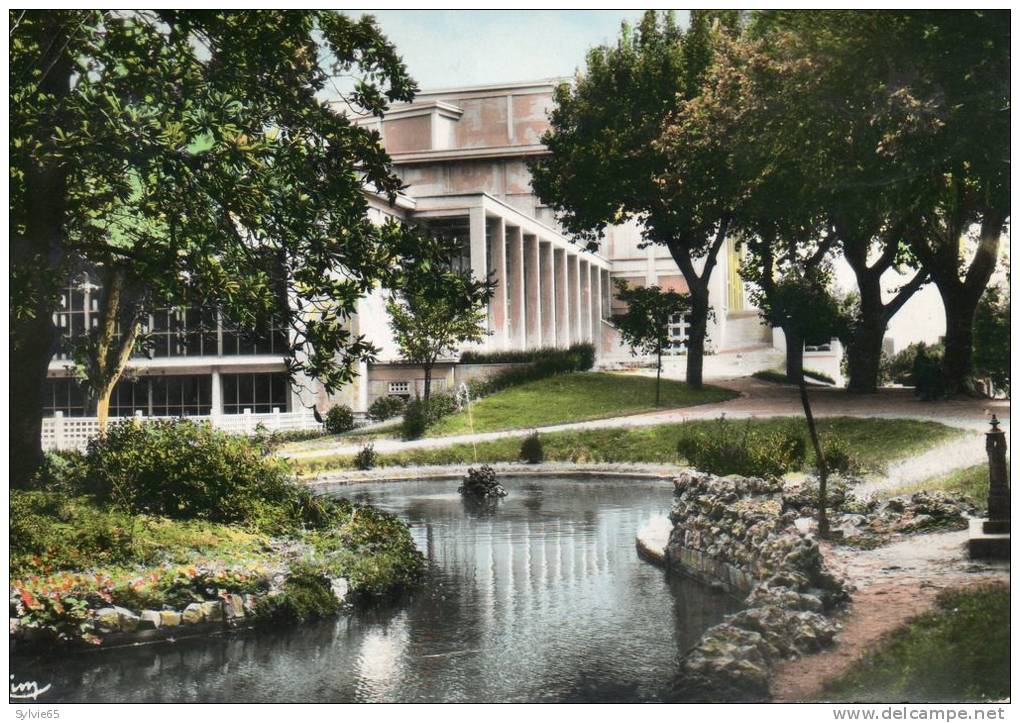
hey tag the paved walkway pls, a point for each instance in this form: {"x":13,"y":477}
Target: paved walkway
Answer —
{"x":757,"y":399}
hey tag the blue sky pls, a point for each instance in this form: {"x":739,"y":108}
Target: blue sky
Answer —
{"x":470,"y":47}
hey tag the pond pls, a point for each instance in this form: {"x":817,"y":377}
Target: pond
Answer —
{"x":541,"y":598}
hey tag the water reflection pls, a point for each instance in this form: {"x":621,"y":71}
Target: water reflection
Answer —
{"x":541,"y":598}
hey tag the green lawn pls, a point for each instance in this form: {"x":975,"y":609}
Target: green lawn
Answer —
{"x":876,"y":442}
{"x":958,"y":653}
{"x":971,"y":482}
{"x":573,"y":398}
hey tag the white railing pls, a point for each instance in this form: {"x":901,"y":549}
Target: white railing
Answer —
{"x":60,"y":432}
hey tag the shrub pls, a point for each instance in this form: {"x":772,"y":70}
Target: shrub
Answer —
{"x":306,"y":595}
{"x":366,"y":457}
{"x":839,"y":457}
{"x":385,"y":408}
{"x":183,"y":470}
{"x":339,"y":419}
{"x":727,"y":450}
{"x":541,"y":363}
{"x":531,"y":449}
{"x":818,"y":376}
{"x":481,"y":482}
{"x":419,"y":414}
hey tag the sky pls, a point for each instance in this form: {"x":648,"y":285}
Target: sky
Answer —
{"x":444,"y":48}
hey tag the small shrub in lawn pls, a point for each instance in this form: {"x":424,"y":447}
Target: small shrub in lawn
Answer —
{"x":531,"y":449}
{"x":726,"y":449}
{"x":419,"y":414}
{"x":339,"y":419}
{"x":839,"y":457}
{"x":385,"y":408}
{"x":366,"y":457}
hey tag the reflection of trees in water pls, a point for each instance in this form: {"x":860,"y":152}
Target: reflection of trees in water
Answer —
{"x":479,"y":506}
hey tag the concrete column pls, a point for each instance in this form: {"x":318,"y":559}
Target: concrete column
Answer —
{"x":585,"y":272}
{"x":479,"y":262}
{"x":532,"y":292}
{"x":548,"y":284}
{"x":596,"y":304}
{"x":574,"y":298}
{"x":607,"y":295}
{"x":515,"y":286}
{"x":498,"y":317}
{"x":561,"y":286}
{"x":216,"y":395}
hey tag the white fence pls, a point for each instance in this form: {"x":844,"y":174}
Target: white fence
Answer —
{"x":60,"y":432}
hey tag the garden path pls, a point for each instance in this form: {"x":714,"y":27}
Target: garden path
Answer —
{"x":895,"y":584}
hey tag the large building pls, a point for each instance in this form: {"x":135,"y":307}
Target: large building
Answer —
{"x":463,"y":154}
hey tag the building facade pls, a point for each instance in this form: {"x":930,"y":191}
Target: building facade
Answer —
{"x":463,"y":154}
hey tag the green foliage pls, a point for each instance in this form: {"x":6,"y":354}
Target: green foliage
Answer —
{"x":306,"y":595}
{"x":605,"y":129}
{"x":544,"y":363}
{"x":645,"y":325}
{"x":385,"y":408}
{"x":582,"y":354}
{"x":247,"y":194}
{"x":435,"y":309}
{"x":182,"y":470}
{"x":531,"y":449}
{"x":839,"y":457}
{"x":339,"y":419}
{"x":366,"y":457}
{"x":876,"y":442}
{"x":420,"y":414}
{"x":957,"y":653}
{"x":726,"y":449}
{"x":991,"y":338}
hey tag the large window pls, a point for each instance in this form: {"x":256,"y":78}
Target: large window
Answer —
{"x":178,"y":395}
{"x":73,"y":318}
{"x":183,"y":332}
{"x":64,"y":395}
{"x":260,"y":393}
{"x":264,"y":341}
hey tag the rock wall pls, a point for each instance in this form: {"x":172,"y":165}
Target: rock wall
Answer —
{"x":740,"y":532}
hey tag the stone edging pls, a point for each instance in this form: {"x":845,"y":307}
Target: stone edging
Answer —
{"x":116,"y":626}
{"x":739,"y":533}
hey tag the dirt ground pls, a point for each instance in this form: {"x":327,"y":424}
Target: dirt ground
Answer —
{"x":895,"y":584}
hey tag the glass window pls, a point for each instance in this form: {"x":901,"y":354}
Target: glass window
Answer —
{"x":64,"y":395}
{"x":260,"y":393}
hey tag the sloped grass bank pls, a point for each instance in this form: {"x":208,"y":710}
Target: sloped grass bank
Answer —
{"x":957,"y":653}
{"x":574,"y":397}
{"x":875,"y":442}
{"x":164,"y":516}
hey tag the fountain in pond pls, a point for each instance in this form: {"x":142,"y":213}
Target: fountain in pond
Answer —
{"x":480,"y":483}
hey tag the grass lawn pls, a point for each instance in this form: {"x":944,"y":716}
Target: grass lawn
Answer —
{"x":876,"y":442}
{"x":958,"y":653}
{"x":574,"y":397}
{"x":971,"y":482}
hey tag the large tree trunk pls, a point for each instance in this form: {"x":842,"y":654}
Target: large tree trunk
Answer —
{"x":37,"y":262}
{"x":696,"y":339}
{"x":957,"y":361}
{"x":864,"y":357}
{"x":32,"y":345}
{"x":794,"y":355}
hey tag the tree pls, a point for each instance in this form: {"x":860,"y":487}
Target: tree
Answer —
{"x":645,"y":325}
{"x":181,"y":150}
{"x":900,"y":119}
{"x":992,"y":337}
{"x":605,"y":166}
{"x":434,"y":311}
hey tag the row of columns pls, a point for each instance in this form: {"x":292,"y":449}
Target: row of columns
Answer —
{"x":546,"y":294}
